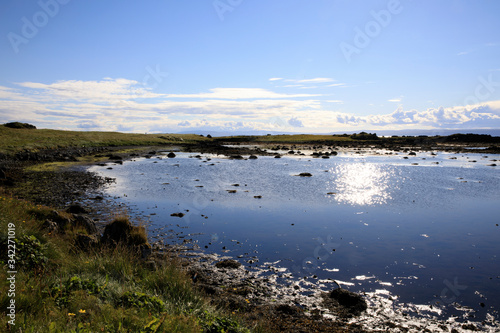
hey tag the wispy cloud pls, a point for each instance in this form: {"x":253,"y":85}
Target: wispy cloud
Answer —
{"x":315,"y":80}
{"x":395,"y":100}
{"x":238,"y":93}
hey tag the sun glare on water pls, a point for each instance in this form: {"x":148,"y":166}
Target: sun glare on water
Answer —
{"x":362,"y":184}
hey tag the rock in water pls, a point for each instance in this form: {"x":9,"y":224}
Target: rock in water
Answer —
{"x":171,"y":155}
{"x":228,"y":264}
{"x":353,"y":303}
{"x":304,"y":174}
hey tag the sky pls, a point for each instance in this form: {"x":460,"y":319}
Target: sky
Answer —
{"x":248,"y":66}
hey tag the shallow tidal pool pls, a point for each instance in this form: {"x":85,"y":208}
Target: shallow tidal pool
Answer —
{"x":422,"y":230}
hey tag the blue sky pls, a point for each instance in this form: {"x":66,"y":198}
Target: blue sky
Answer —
{"x":241,"y":66}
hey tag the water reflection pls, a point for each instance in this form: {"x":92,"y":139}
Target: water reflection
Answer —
{"x":362,"y":184}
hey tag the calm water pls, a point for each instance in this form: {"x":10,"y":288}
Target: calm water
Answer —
{"x":427,"y":233}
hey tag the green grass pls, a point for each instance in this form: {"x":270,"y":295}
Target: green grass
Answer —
{"x":14,"y":140}
{"x":62,"y":289}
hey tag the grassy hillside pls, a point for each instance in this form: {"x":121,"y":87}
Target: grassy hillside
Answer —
{"x":15,"y":139}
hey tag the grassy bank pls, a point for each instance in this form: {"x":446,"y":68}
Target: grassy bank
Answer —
{"x":13,"y":140}
{"x":59,"y":288}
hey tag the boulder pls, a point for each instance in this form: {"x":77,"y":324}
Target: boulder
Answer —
{"x":351,"y":302}
{"x":76,"y":209}
{"x":50,"y":226}
{"x":171,"y":155}
{"x":85,"y":222}
{"x":233,"y":264}
{"x":86,"y":242}
{"x":62,"y":219}
{"x":122,"y":231}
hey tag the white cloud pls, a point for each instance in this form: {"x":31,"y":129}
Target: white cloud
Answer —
{"x":315,"y":80}
{"x":275,"y":79}
{"x":238,"y":93}
{"x":109,"y":105}
{"x":395,"y":100}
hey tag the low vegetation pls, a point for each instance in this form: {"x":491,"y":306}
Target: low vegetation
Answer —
{"x":16,"y":138}
{"x":59,"y":288}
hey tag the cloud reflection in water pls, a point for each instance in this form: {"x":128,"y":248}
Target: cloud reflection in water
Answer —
{"x":362,"y":184}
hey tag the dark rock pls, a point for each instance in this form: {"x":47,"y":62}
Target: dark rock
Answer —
{"x":50,"y":226}
{"x":252,"y":157}
{"x":115,"y":158}
{"x":304,"y":174}
{"x":228,"y":264}
{"x":177,"y":214}
{"x":290,"y":310}
{"x":76,"y":209}
{"x":257,"y":196}
{"x":353,"y":303}
{"x":60,"y":218}
{"x":236,"y":157}
{"x":122,"y":231}
{"x":171,"y":155}
{"x":277,"y":156}
{"x":117,"y":231}
{"x":412,"y":153}
{"x":86,"y":222}
{"x":86,"y":242}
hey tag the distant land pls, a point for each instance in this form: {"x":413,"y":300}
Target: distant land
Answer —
{"x":412,"y":132}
